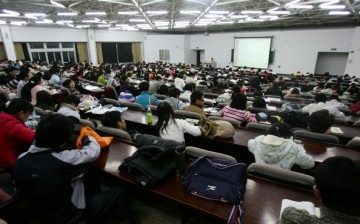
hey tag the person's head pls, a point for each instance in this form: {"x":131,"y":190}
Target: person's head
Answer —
{"x":113,"y":119}
{"x":279,"y":129}
{"x":163,"y":90}
{"x":68,"y":83}
{"x":20,"y":108}
{"x":57,"y":71}
{"x":259,"y":103}
{"x":320,"y":97}
{"x":53,"y":131}
{"x":320,"y":121}
{"x":24,"y":74}
{"x":337,"y":184}
{"x":144,"y":86}
{"x":13,"y":70}
{"x":72,"y":99}
{"x":239,"y":101}
{"x":165,"y":114}
{"x":197,"y":98}
{"x":44,"y":100}
{"x":124,"y":78}
{"x":295,"y":91}
{"x":189,"y":87}
{"x":334,"y":97}
{"x":174,"y":92}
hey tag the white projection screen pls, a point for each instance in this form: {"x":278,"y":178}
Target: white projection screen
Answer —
{"x":252,"y":52}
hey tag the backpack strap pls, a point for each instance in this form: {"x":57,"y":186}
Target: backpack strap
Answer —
{"x":235,"y":214}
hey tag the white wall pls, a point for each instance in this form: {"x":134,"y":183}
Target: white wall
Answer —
{"x":353,"y":63}
{"x":174,"y":43}
{"x":118,"y":36}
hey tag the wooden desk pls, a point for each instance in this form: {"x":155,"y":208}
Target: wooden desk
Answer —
{"x":262,"y":198}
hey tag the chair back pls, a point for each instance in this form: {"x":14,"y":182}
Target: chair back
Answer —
{"x":110,"y":92}
{"x":271,"y":96}
{"x":282,"y":176}
{"x":185,"y":100}
{"x":211,"y":95}
{"x":222,"y":105}
{"x":153,"y":108}
{"x":132,"y":105}
{"x":256,"y":110}
{"x":345,"y":110}
{"x":113,"y":102}
{"x":187,"y":114}
{"x":87,"y":123}
{"x":316,"y":136}
{"x":340,"y":121}
{"x":258,"y":127}
{"x":357,"y":123}
{"x":354,"y":143}
{"x":160,"y":96}
{"x":66,"y":90}
{"x":231,"y":121}
{"x":198,"y":152}
{"x":102,"y":130}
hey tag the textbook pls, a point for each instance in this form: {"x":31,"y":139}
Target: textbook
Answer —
{"x":303,"y":205}
{"x":336,"y":131}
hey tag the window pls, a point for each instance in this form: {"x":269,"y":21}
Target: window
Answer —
{"x":164,"y":55}
{"x":52,"y":51}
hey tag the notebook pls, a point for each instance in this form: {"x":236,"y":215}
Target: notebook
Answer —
{"x":336,"y":131}
{"x":304,"y":205}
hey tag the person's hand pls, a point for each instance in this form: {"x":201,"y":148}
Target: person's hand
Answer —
{"x":85,"y":141}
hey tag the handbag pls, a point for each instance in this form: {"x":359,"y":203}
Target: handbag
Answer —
{"x":103,"y":141}
{"x":219,"y":180}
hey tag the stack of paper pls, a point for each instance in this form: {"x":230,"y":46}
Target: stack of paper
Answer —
{"x":303,"y":205}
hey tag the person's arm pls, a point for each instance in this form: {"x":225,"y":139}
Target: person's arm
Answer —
{"x":249,"y":117}
{"x":181,"y":105}
{"x":22,"y":133}
{"x":306,"y":108}
{"x":88,"y":153}
{"x":191,"y":129}
{"x":338,"y":114}
{"x":304,"y":160}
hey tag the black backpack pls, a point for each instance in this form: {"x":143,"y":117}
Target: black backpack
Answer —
{"x":293,"y":116}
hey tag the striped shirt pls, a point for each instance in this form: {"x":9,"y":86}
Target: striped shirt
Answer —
{"x":237,"y":115}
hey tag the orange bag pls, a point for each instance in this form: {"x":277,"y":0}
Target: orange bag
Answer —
{"x":103,"y":141}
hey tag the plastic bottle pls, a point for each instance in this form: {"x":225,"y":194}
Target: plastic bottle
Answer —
{"x":149,"y":116}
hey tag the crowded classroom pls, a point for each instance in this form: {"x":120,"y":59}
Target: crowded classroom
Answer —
{"x":180,"y":111}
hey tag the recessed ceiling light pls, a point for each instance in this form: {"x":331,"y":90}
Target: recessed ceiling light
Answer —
{"x":190,"y":11}
{"x":251,"y":12}
{"x":137,"y":20}
{"x":301,"y":6}
{"x":218,"y":12}
{"x":339,"y":13}
{"x":67,"y":13}
{"x":95,"y":13}
{"x":156,"y":12}
{"x":128,"y":13}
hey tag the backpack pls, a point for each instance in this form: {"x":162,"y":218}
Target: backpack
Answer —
{"x":293,"y":116}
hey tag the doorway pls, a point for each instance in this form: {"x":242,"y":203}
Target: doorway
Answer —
{"x":332,"y":62}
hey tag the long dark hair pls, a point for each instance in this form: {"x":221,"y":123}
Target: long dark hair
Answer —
{"x":165,"y":114}
{"x":239,"y":101}
{"x":26,"y":90}
{"x":44,"y":100}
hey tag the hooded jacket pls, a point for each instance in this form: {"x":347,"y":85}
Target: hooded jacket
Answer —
{"x":279,"y":152}
{"x":69,"y":110}
{"x":15,"y":138}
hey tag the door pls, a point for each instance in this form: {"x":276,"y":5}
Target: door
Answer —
{"x":332,"y":62}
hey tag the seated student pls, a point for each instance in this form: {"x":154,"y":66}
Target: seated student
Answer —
{"x":70,"y":84}
{"x":335,"y":101}
{"x":124,"y":83}
{"x":32,"y":87}
{"x":320,"y":121}
{"x":356,"y":106}
{"x":197,"y":103}
{"x":337,"y":184}
{"x":101,"y":77}
{"x":293,"y":93}
{"x":163,"y":90}
{"x":173,"y":99}
{"x":55,"y":78}
{"x":275,"y":90}
{"x":15,"y":137}
{"x":54,"y":178}
{"x":259,"y":103}
{"x":179,"y":82}
{"x":45,"y":101}
{"x":113,"y":119}
{"x":320,"y":100}
{"x":155,"y":84}
{"x":276,"y":149}
{"x":23,"y":77}
{"x":146,"y":98}
{"x":188,"y":89}
{"x":171,"y":128}
{"x":69,"y":107}
{"x":237,"y":110}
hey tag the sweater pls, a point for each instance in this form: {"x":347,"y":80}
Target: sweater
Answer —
{"x":15,"y":137}
{"x":175,"y":131}
{"x":279,"y":152}
{"x":146,"y":98}
{"x":69,"y":110}
{"x":313,"y":107}
{"x":237,"y":115}
{"x":176,"y":104}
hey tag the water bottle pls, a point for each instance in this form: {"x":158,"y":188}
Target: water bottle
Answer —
{"x":149,"y":116}
{"x":180,"y":162}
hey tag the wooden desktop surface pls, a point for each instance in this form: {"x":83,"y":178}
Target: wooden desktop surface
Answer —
{"x":262,"y":198}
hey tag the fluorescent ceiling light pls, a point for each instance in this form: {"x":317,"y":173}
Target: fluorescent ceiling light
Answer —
{"x":17,"y":23}
{"x":339,"y":13}
{"x":57,"y":4}
{"x":162,"y":28}
{"x":67,"y":14}
{"x":190,"y":12}
{"x":95,"y":13}
{"x":292,"y":3}
{"x":115,"y":28}
{"x":322,"y":6}
{"x":2,"y":22}
{"x":239,"y":16}
{"x":35,"y":14}
{"x":254,"y":20}
{"x":279,"y":12}
{"x":224,"y":22}
{"x":9,"y":13}
{"x":82,"y":26}
{"x":70,"y":25}
{"x":218,"y":12}
{"x":251,"y":12}
{"x":213,"y":16}
{"x":182,"y":22}
{"x":179,"y":26}
{"x":268,"y":17}
{"x":122,"y":24}
{"x":137,"y":20}
{"x":103,"y":25}
{"x":207,"y":19}
{"x":128,"y":13}
{"x":64,"y":21}
{"x":201,"y":24}
{"x":156,"y":12}
{"x":45,"y":21}
{"x":301,"y":6}
{"x":96,"y":20}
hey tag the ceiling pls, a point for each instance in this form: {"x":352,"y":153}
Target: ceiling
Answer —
{"x":180,"y":16}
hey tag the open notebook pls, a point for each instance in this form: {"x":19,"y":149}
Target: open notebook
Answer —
{"x":304,"y":205}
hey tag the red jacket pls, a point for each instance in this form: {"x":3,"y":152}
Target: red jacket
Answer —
{"x":355,"y":107}
{"x":14,"y":139}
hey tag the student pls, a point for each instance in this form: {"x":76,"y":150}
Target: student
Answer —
{"x":70,"y":84}
{"x":197,"y":103}
{"x":179,"y":82}
{"x":276,"y":149}
{"x":101,"y":77}
{"x":173,"y":99}
{"x":355,"y":108}
{"x":11,"y":77}
{"x":145,"y":98}
{"x":188,"y":89}
{"x":163,"y":90}
{"x":275,"y":90}
{"x":45,"y":101}
{"x":15,"y":137}
{"x":69,"y":107}
{"x":237,"y":110}
{"x":55,"y":78}
{"x":320,"y":121}
{"x":54,"y":179}
{"x":124,"y":83}
{"x":335,"y":101}
{"x":23,"y":77}
{"x":295,"y":92}
{"x":320,"y":100}
{"x":155,"y":84}
{"x":337,"y":184}
{"x":171,"y":128}
{"x":31,"y":88}
{"x":113,"y":119}
{"x":259,"y":103}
